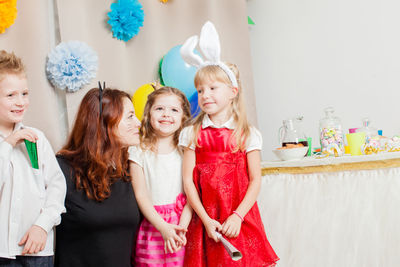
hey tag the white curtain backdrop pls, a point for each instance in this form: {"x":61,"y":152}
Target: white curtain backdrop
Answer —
{"x":346,"y":219}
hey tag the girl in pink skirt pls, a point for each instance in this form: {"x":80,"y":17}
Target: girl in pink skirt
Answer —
{"x":157,"y":180}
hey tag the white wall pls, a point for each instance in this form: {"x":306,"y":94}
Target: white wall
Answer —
{"x":309,"y":54}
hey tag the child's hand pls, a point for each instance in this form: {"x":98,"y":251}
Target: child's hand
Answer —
{"x":212,"y":226}
{"x":182,"y":235}
{"x":231,"y":227}
{"x":19,"y":136}
{"x":34,"y":240}
{"x":171,"y":238}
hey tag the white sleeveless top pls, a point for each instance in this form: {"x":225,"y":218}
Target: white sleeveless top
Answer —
{"x":162,"y":172}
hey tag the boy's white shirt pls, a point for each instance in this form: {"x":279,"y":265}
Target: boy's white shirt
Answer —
{"x":28,"y":196}
{"x":254,"y":142}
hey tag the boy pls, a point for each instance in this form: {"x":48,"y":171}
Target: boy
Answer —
{"x":31,"y":199}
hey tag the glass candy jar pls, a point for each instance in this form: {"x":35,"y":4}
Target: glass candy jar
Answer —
{"x":370,"y":132}
{"x":372,"y":142}
{"x":331,"y":134}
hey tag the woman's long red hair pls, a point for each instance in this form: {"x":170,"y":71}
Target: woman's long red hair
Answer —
{"x":93,"y":148}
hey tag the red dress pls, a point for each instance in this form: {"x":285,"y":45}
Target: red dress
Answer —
{"x":221,"y":179}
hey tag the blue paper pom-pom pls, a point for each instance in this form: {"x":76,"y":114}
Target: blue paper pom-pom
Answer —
{"x":126,"y":16}
{"x":71,"y":65}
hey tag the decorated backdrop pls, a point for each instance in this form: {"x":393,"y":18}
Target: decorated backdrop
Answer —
{"x":129,"y":49}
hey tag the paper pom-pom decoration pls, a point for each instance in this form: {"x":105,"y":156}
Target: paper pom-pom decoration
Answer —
{"x":71,"y":65}
{"x":126,"y":16}
{"x":164,"y":1}
{"x":8,"y":13}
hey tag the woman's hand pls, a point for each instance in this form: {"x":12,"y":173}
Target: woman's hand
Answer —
{"x":211,"y":227}
{"x":231,"y":227}
{"x":19,"y":136}
{"x":172,"y":239}
{"x":34,"y":240}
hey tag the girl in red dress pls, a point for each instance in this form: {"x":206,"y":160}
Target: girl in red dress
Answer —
{"x":222,"y":174}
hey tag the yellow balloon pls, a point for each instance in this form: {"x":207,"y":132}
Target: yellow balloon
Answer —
{"x":139,"y":99}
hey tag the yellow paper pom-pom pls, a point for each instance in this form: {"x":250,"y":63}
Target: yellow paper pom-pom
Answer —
{"x":164,"y":1}
{"x":8,"y":13}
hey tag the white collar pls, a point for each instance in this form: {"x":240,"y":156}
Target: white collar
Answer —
{"x":17,"y":127}
{"x":207,"y":122}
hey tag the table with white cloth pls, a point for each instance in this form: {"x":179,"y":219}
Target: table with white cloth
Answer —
{"x":341,"y":211}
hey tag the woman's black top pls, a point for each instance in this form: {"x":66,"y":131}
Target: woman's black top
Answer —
{"x":93,"y":233}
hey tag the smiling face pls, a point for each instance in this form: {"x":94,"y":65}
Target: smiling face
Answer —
{"x":215,"y":98}
{"x":14,"y":100}
{"x":128,"y":127}
{"x":166,"y":115}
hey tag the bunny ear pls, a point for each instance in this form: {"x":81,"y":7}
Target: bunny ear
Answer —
{"x":187,"y":52}
{"x":209,"y":43}
{"x":210,"y":48}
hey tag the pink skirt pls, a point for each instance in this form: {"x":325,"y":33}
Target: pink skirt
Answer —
{"x":150,"y":244}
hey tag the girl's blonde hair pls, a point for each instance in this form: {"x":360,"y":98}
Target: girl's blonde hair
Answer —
{"x":242,"y":129}
{"x":148,"y":138}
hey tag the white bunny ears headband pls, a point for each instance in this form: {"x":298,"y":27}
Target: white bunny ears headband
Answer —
{"x":210,"y":48}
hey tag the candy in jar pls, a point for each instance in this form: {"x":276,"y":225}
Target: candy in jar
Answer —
{"x":331,"y":134}
{"x":370,"y":132}
{"x":372,"y":139}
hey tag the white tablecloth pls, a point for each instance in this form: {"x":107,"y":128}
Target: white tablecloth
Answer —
{"x":346,"y":218}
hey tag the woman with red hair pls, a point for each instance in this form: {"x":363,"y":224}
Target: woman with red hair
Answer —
{"x":102,"y":216}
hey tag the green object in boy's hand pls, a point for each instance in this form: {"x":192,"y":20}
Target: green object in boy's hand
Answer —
{"x":32,"y":152}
